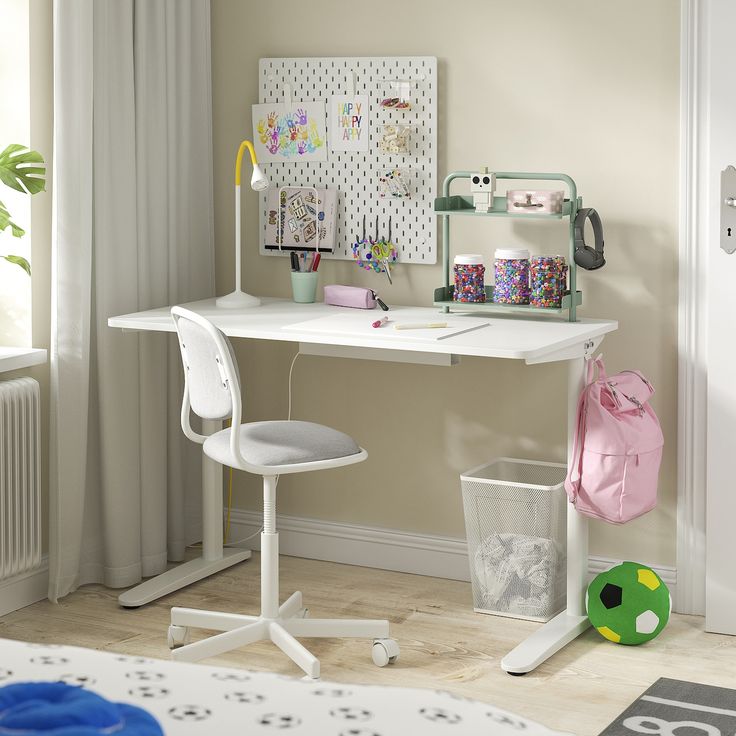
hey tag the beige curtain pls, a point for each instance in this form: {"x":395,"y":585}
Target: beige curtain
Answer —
{"x":133,"y":229}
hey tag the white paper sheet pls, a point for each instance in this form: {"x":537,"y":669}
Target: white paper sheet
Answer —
{"x":359,"y":322}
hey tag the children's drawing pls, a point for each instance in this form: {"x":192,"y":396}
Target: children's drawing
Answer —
{"x":349,"y":123}
{"x":290,"y":133}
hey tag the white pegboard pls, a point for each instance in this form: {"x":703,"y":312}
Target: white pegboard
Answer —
{"x":355,"y":174}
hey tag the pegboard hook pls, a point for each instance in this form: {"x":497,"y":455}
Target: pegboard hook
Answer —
{"x":287,"y":94}
{"x":351,"y":83}
{"x":360,"y":241}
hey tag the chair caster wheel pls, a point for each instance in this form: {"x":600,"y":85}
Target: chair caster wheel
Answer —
{"x":385,"y":651}
{"x":177,"y":636}
{"x":302,"y":613}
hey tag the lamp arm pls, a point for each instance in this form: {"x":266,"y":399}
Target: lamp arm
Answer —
{"x":238,"y":167}
{"x":239,"y":159}
{"x":237,"y":299}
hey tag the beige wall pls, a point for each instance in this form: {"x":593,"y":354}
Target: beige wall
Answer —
{"x":585,"y":87}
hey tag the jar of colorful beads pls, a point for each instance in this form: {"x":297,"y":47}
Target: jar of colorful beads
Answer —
{"x":549,"y":281}
{"x":511,"y":271}
{"x":469,"y":278}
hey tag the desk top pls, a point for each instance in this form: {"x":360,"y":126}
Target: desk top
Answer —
{"x":532,"y":340}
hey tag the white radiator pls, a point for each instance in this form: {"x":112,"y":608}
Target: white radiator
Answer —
{"x":20,"y":477}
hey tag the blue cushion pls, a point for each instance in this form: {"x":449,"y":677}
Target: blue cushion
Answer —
{"x":58,"y":709}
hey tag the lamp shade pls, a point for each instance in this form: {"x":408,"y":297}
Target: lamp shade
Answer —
{"x":259,"y":181}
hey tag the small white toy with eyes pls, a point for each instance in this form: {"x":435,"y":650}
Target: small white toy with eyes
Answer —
{"x":482,"y":186}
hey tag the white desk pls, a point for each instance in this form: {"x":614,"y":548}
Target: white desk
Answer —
{"x":533,"y":341}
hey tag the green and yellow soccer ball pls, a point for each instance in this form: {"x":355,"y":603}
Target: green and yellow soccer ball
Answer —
{"x":628,"y":604}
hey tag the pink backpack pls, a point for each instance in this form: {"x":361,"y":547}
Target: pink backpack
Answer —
{"x":617,"y":448}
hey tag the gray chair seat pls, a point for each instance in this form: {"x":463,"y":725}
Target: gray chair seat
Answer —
{"x":279,"y":443}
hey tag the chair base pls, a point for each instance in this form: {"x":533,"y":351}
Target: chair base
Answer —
{"x":282,"y":630}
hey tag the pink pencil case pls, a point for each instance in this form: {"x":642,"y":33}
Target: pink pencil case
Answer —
{"x":357,"y":297}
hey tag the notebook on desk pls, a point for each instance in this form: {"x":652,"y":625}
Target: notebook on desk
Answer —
{"x":359,"y":322}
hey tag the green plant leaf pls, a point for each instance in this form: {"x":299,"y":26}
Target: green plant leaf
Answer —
{"x":22,"y":169}
{"x":5,"y":221}
{"x":19,"y":261}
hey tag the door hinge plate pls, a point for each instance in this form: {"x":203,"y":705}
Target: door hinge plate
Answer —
{"x":728,"y":209}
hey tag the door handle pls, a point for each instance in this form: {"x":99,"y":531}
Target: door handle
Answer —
{"x":728,"y":210}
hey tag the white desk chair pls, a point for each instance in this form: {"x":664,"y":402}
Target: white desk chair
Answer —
{"x":269,"y":449}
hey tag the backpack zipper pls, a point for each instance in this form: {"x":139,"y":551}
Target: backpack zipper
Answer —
{"x":632,"y":399}
{"x":612,"y":386}
{"x":637,"y":404}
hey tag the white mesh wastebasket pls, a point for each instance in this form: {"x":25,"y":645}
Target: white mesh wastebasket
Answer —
{"x":515,"y":521}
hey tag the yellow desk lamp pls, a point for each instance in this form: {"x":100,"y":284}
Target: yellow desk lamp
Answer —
{"x":238,"y":299}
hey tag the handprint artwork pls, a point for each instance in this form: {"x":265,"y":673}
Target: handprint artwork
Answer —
{"x":285,"y":133}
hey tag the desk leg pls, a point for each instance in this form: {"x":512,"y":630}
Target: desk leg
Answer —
{"x":211,"y":500}
{"x":569,"y":624}
{"x":213,"y":559}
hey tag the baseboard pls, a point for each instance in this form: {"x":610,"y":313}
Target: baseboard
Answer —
{"x":385,"y":549}
{"x":24,"y":589}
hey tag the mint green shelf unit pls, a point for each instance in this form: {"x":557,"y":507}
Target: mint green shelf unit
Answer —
{"x":448,"y":206}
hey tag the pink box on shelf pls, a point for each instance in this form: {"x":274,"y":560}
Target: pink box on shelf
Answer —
{"x":535,"y":201}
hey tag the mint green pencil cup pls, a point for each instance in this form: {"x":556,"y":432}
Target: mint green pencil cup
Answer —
{"x":304,"y":286}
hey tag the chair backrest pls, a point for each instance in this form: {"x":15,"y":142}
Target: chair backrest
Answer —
{"x":212,"y":381}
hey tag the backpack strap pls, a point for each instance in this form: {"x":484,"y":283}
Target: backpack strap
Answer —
{"x":574,"y":471}
{"x":594,"y":363}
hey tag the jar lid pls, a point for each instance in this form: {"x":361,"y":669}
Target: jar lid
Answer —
{"x":469,"y":259}
{"x":554,"y":258}
{"x":512,"y":254}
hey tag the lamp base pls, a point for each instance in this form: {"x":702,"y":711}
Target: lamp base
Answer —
{"x":237,"y":300}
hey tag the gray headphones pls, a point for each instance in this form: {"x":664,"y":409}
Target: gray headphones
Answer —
{"x":585,"y":256}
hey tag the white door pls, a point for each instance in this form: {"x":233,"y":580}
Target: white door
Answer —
{"x":718,"y":118}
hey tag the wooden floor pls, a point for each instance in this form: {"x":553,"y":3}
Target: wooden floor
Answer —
{"x":444,"y":644}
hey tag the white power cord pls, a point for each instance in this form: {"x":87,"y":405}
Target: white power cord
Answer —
{"x":255,"y":534}
{"x":244,"y":539}
{"x":291,"y":370}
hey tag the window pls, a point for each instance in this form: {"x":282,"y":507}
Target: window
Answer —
{"x":15,"y":285}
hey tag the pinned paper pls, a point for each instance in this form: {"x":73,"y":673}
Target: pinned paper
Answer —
{"x":305,"y":218}
{"x":349,"y":123}
{"x":290,"y":132}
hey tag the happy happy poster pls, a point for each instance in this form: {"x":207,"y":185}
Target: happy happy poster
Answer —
{"x":349,"y":123}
